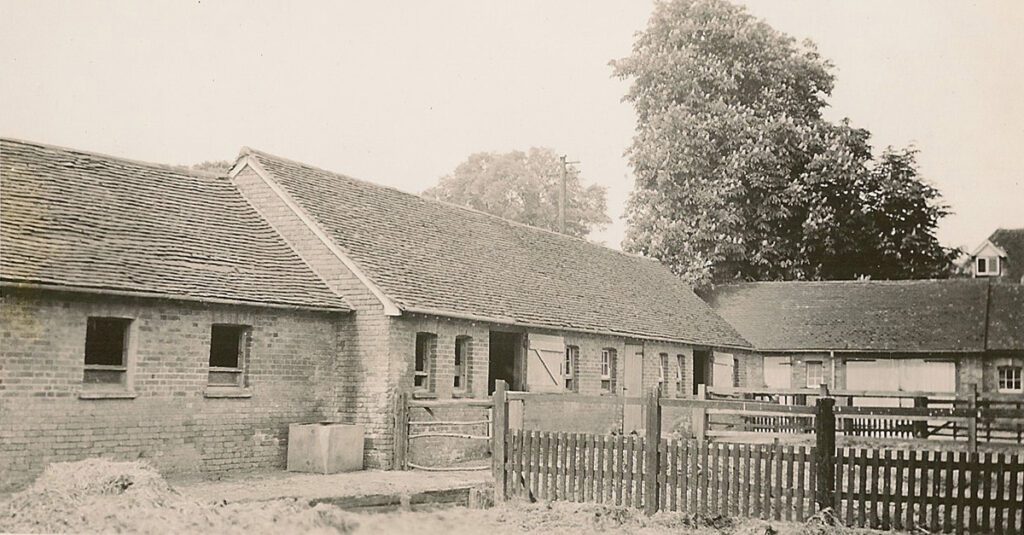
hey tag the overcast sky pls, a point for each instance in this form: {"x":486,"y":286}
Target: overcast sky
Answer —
{"x":400,"y":93}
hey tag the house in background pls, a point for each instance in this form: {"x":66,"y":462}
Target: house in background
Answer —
{"x":1001,"y":256}
{"x":891,"y":336}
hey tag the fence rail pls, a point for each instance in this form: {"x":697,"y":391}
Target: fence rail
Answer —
{"x":878,"y":488}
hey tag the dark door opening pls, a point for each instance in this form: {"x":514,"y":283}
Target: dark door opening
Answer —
{"x":503,"y":360}
{"x":701,"y":369}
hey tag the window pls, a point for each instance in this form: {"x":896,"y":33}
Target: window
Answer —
{"x":608,"y":370}
{"x":662,"y":367}
{"x":1010,"y":379}
{"x":106,"y":343}
{"x":569,"y":367}
{"x":735,"y":372}
{"x":815,"y":374}
{"x":228,"y":345}
{"x":463,"y":351}
{"x":987,"y":265}
{"x":680,"y":366}
{"x":425,"y":345}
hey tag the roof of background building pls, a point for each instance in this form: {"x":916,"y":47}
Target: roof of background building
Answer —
{"x":1011,"y":241}
{"x":76,"y":220}
{"x":436,"y":257}
{"x":1006,"y":317}
{"x":899,"y":316}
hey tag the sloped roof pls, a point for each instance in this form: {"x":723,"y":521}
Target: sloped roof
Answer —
{"x":78,"y":220}
{"x":1006,"y":317}
{"x":1011,"y":241}
{"x":430,"y":256}
{"x":910,"y":316}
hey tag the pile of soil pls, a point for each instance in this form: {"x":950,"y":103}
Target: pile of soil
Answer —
{"x":96,"y":495}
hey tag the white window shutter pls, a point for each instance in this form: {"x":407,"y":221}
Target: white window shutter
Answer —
{"x":544,"y":363}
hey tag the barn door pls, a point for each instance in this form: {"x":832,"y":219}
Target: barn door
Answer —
{"x":543,"y":361}
{"x":633,"y":387}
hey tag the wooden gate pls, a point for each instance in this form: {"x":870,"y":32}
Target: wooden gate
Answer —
{"x":441,"y":436}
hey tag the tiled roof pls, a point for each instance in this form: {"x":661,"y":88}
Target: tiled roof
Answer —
{"x":83,"y":221}
{"x":432,"y":256}
{"x":1011,"y":241}
{"x":924,"y":315}
{"x":1006,"y":317}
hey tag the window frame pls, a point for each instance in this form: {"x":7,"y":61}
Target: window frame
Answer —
{"x":814,"y":364}
{"x":570,"y":368}
{"x":429,"y":347}
{"x":991,"y":265}
{"x":662,"y":368}
{"x":238,"y":372}
{"x":96,"y":370}
{"x":608,"y":362}
{"x":461,"y":370}
{"x":1015,"y":374}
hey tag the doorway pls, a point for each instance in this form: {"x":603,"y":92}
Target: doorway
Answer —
{"x":701,"y":369}
{"x":632,"y":387}
{"x":505,"y":360}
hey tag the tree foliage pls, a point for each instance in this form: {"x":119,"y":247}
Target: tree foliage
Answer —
{"x":524,"y":187}
{"x":738,"y":175}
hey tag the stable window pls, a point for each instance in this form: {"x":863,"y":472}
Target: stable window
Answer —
{"x":815,"y":374}
{"x":106,"y":344}
{"x":608,"y":356}
{"x":1010,"y":379}
{"x":987,"y":265}
{"x":463,"y":350}
{"x":662,"y":367}
{"x":228,"y":347}
{"x":425,"y":345}
{"x":736,"y":372}
{"x":680,"y":365}
{"x":569,"y":366}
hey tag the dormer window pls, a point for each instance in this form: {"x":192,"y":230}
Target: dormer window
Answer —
{"x":986,"y":265}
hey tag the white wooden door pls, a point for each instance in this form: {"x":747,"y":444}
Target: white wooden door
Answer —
{"x":543,"y":363}
{"x":723,"y":371}
{"x":778,"y":373}
{"x":633,"y":387}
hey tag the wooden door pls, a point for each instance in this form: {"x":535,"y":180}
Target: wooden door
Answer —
{"x":633,"y":387}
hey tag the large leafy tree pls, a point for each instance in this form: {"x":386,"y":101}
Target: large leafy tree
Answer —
{"x":524,"y":187}
{"x":738,"y":175}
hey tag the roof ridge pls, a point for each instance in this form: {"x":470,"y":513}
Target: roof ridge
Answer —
{"x":168,"y":167}
{"x":247,"y":151}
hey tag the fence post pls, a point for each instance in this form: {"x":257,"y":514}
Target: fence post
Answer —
{"x":921,"y":426}
{"x":825,"y":451}
{"x":400,"y":457}
{"x":699,"y":415}
{"x":499,"y":433}
{"x":972,"y":423}
{"x":651,"y":458}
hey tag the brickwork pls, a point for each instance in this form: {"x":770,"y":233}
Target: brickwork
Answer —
{"x":171,"y":421}
{"x":362,"y":389}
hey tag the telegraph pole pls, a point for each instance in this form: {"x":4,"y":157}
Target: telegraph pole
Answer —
{"x":561,"y":194}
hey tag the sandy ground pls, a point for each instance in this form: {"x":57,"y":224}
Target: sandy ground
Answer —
{"x":269,"y":485}
{"x":98,"y":496}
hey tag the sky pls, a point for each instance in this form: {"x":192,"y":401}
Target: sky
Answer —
{"x":400,"y":92}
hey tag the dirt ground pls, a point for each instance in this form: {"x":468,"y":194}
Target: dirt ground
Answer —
{"x":94,"y":496}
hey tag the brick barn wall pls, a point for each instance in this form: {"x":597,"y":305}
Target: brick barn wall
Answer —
{"x":363,"y":392}
{"x":170,"y":422}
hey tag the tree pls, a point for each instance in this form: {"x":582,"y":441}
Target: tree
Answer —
{"x":524,"y":187}
{"x":220,"y":166}
{"x":738,"y":175}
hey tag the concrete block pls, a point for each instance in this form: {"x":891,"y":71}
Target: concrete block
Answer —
{"x":325,"y":447}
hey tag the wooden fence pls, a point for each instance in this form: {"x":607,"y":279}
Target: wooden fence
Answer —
{"x":886,"y":489}
{"x":420,"y":421}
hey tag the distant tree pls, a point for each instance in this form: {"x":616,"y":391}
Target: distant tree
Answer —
{"x":524,"y":187}
{"x":219,"y":166}
{"x":738,"y":175}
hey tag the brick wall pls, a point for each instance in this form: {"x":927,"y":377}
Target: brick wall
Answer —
{"x":171,"y":422}
{"x":363,"y":392}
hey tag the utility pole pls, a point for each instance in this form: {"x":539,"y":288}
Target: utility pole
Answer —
{"x":561,"y":194}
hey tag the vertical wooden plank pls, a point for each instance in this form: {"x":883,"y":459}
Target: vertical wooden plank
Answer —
{"x":986,"y":492}
{"x":714,"y":475}
{"x":974,"y":465}
{"x":1000,"y":467}
{"x":899,"y":479}
{"x":687,"y":479}
{"x":528,"y":472}
{"x":947,"y":508}
{"x":756,"y":493}
{"x":599,"y":463}
{"x":936,"y":470}
{"x":747,"y":483}
{"x":662,"y":474}
{"x":619,"y":466}
{"x":1016,"y":468}
{"x":788,"y":463}
{"x":638,"y":475}
{"x":546,"y":464}
{"x":591,"y":468}
{"x":703,"y":481}
{"x":801,"y":459}
{"x":886,"y":489}
{"x":673,"y":475}
{"x":851,"y":485}
{"x":627,"y":479}
{"x":962,"y":491}
{"x":401,"y":431}
{"x":912,"y":465}
{"x":499,"y":438}
{"x":876,"y":488}
{"x":652,"y":440}
{"x":571,"y":466}
{"x":725,"y":475}
{"x":777,"y":491}
{"x":922,"y":495}
{"x":737,"y":467}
